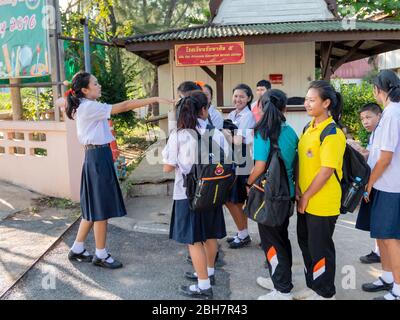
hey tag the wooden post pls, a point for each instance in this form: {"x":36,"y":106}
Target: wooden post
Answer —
{"x":326,"y":68}
{"x":220,"y":86}
{"x":16,"y":101}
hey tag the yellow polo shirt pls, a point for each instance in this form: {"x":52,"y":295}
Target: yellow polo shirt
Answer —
{"x":313,"y":156}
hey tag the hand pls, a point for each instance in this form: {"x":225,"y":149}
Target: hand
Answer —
{"x":247,"y":190}
{"x":368,"y":189}
{"x":302,"y":204}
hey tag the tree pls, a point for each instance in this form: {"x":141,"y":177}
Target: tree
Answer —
{"x":369,"y":9}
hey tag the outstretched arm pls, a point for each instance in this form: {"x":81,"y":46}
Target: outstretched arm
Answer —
{"x":135,"y":104}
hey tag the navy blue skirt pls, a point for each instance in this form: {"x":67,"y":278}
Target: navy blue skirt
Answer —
{"x":189,"y":227}
{"x":385,"y":215}
{"x":364,"y":214}
{"x":101,"y":196}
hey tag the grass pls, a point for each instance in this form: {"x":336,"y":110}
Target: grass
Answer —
{"x":5,"y":101}
{"x":56,"y":203}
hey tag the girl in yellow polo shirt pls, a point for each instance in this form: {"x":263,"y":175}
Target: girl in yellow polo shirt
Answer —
{"x":318,"y":190}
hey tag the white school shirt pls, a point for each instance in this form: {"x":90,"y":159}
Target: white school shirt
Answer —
{"x":181,"y":152}
{"x":245,"y":122}
{"x":216,"y":117}
{"x":386,"y":137}
{"x":92,"y":122}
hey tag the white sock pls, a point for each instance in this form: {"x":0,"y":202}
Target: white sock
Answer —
{"x":386,"y":276}
{"x":194,"y":287}
{"x":204,"y":284}
{"x":78,"y":247}
{"x":396,"y":289}
{"x":210,"y":271}
{"x":102,"y":254}
{"x":243,"y":234}
{"x":377,"y":249}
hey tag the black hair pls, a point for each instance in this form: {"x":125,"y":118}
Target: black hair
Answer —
{"x":264,"y":83}
{"x":79,"y":81}
{"x":188,"y":86}
{"x":248,"y":92}
{"x":191,"y":108}
{"x":389,"y":82}
{"x":373,"y":107}
{"x":209,"y":89}
{"x":326,"y":91}
{"x":273,"y":105}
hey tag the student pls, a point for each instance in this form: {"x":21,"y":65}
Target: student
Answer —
{"x":273,"y":127}
{"x":199,"y":230}
{"x":242,"y":141}
{"x":318,"y":191}
{"x":215,"y":117}
{"x":184,"y":89}
{"x":101,"y":197}
{"x":383,"y":189}
{"x":370,"y":115}
{"x":256,"y":108}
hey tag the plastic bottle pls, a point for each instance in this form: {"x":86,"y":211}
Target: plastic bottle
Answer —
{"x":355,"y":186}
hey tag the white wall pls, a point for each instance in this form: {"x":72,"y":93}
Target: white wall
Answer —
{"x":389,"y":60}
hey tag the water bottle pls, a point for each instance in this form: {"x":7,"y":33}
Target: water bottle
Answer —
{"x":355,"y":186}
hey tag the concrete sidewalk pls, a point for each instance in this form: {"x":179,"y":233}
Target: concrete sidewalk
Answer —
{"x":154,"y":265}
{"x":27,"y":231}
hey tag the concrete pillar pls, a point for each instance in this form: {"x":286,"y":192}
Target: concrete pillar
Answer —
{"x":16,"y":101}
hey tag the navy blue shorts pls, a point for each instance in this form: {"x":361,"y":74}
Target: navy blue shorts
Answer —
{"x":364,"y":214}
{"x":385,"y":215}
{"x":189,"y":227}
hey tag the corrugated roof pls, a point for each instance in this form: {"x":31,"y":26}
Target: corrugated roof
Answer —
{"x":221,"y":31}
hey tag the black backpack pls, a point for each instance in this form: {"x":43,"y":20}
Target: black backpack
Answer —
{"x":208,"y":185}
{"x":269,"y":200}
{"x":354,"y":166}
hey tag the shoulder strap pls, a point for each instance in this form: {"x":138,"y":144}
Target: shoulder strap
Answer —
{"x":210,"y":121}
{"x":306,"y":127}
{"x":329,"y":129}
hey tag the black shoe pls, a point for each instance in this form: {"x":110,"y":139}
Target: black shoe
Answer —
{"x":80,"y":256}
{"x":231,"y":239}
{"x":192,"y":276}
{"x":371,"y":287}
{"x":199,"y":294}
{"x":394,"y":297}
{"x":103,"y":263}
{"x":242,"y":243}
{"x":370,"y":258}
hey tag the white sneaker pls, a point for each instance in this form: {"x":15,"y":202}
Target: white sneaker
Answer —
{"x":316,"y":296}
{"x":276,"y":295}
{"x":303,"y":294}
{"x":266,"y":283}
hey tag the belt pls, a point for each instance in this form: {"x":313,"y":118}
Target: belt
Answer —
{"x":95,"y":146}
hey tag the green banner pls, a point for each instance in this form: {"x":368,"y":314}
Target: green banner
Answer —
{"x":24,"y":47}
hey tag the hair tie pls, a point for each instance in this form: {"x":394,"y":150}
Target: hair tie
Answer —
{"x":70,"y":92}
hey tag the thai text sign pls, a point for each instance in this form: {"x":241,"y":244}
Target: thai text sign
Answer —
{"x":24,"y":38}
{"x":209,"y":54}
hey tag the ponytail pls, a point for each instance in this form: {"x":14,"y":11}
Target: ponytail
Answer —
{"x":74,"y":95}
{"x":273,"y":104}
{"x":326,"y":91}
{"x":190,"y":110}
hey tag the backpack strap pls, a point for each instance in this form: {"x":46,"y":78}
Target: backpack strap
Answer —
{"x":329,"y":130}
{"x":210,"y":141}
{"x":210,"y":121}
{"x":306,"y":127}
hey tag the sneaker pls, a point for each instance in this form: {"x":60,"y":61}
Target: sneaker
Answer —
{"x":265,"y":283}
{"x":303,"y":294}
{"x":81,"y":257}
{"x":276,"y":295}
{"x":389,"y":296}
{"x":242,"y":242}
{"x":198,"y":293}
{"x":316,"y":296}
{"x":370,"y":258}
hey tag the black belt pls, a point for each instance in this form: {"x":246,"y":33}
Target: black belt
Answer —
{"x":95,"y":146}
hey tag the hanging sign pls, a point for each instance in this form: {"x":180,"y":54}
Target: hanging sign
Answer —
{"x":209,"y":54}
{"x":276,"y":79}
{"x":23,"y":39}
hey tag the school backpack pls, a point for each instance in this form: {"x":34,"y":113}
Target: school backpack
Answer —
{"x":356,"y":172}
{"x":269,"y":202}
{"x":208,"y":184}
